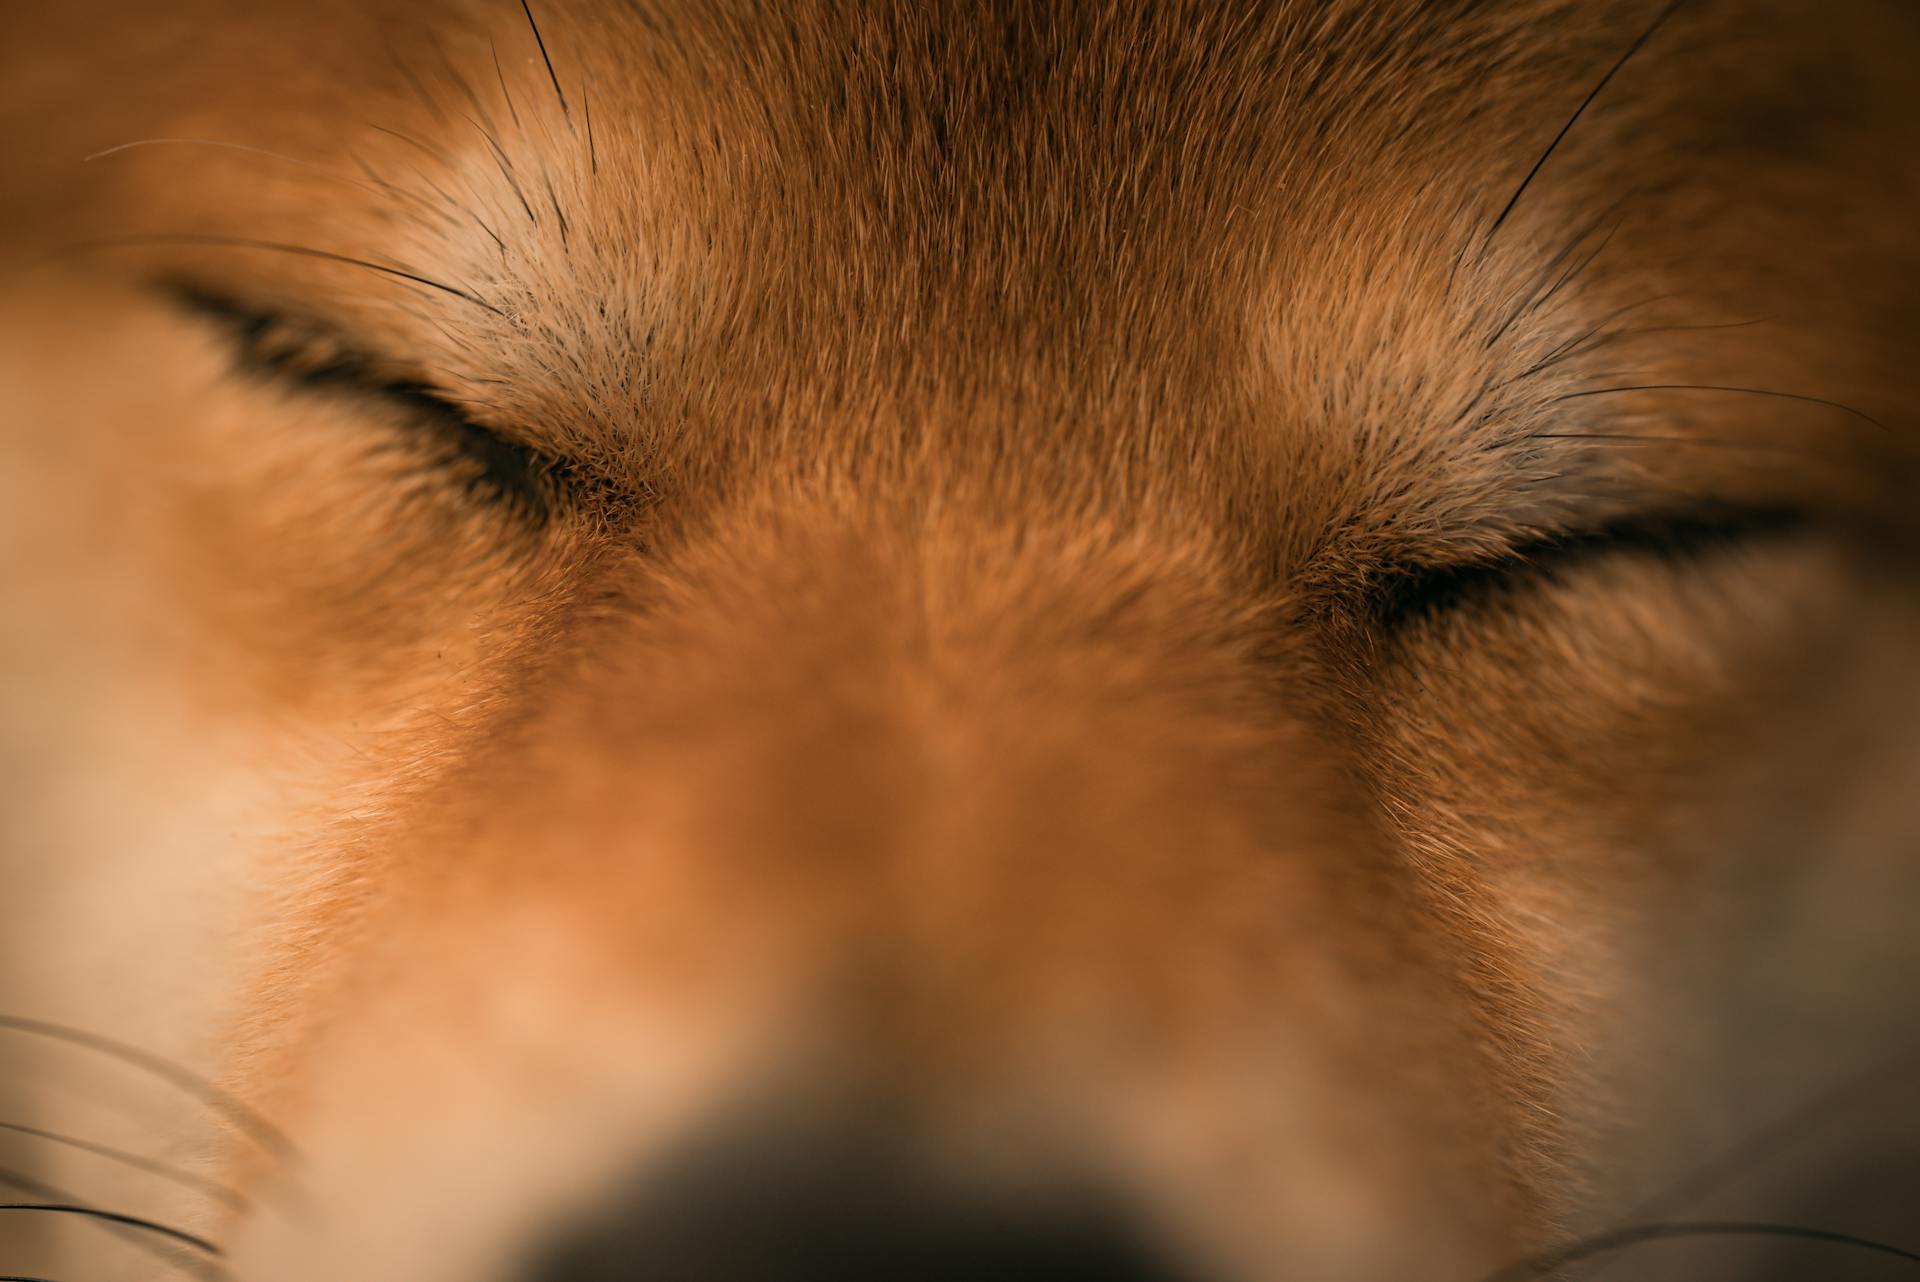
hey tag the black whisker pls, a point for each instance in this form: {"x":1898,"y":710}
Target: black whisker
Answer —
{"x":1705,"y":442}
{"x":160,"y":1248}
{"x":412,"y":77}
{"x":459,"y":81}
{"x":1547,"y":285}
{"x":446,"y":197}
{"x":379,"y":182}
{"x":502,"y":77}
{"x":586,"y":109}
{"x":504,"y":164}
{"x":1716,"y":387}
{"x":560,"y":217}
{"x":303,"y":251}
{"x":1551,"y":1262}
{"x":1588,"y":340}
{"x":1646,"y":35}
{"x":491,"y":233}
{"x":1604,"y":333}
{"x":122,"y":1219}
{"x":1578,"y":269}
{"x":1749,"y":1152}
{"x":1688,"y":329}
{"x":264,"y":1133}
{"x":433,"y":153}
{"x":541,"y":41}
{"x":135,"y":1161}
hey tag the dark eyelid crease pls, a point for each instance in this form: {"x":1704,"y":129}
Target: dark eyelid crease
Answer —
{"x":313,"y":357}
{"x":1408,"y":593}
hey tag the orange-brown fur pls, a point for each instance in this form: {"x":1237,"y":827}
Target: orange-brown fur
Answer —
{"x":953,"y":669}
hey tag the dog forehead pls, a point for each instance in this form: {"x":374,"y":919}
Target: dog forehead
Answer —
{"x":637,"y":234}
{"x":1062,"y":231}
{"x":1176,"y":231}
{"x":1081,"y":209}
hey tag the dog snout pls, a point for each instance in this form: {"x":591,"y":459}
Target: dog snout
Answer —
{"x":854,"y":1206}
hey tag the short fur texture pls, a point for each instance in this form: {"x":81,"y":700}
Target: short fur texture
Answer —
{"x":1189,"y":603}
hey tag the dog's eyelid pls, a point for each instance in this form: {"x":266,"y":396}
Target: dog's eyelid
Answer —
{"x":294,"y":345}
{"x":1412,"y":591}
{"x":312,"y":355}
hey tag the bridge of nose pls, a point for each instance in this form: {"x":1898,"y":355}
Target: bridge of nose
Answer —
{"x":1044,"y":816}
{"x":1034,"y":813}
{"x":1010,"y":761}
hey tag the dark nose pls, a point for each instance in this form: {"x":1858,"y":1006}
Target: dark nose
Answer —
{"x":799,"y":1209}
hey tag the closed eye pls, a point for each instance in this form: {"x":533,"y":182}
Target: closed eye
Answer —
{"x":1408,"y":594}
{"x":311,"y":357}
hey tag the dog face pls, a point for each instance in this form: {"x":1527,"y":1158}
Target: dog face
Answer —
{"x":693,"y":642}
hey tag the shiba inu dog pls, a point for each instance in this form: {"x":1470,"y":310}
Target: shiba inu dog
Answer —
{"x":813,"y":641}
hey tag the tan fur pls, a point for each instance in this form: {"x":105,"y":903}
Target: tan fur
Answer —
{"x":953,"y":675}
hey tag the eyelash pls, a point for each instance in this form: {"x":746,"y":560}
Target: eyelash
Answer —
{"x":310,"y":358}
{"x":1409,"y":594}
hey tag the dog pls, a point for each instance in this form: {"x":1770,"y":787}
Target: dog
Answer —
{"x":701,"y":640}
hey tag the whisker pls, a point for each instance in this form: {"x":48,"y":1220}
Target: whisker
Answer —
{"x":446,"y":197}
{"x":432,"y":153}
{"x":264,"y":1133}
{"x":303,"y":251}
{"x":1546,"y":286}
{"x":120,"y":1218}
{"x":1705,"y":442}
{"x":1575,"y":270}
{"x":379,"y":182}
{"x":1716,"y":387}
{"x":1552,"y":1262}
{"x":1749,"y":1152}
{"x":541,"y":41}
{"x":135,"y":1161}
{"x":504,"y":164}
{"x":586,"y":109}
{"x":1605,"y":333}
{"x":210,"y":142}
{"x":371,"y":182}
{"x":559,"y":214}
{"x":412,"y":77}
{"x":501,"y":76}
{"x":1713,"y":325}
{"x":1646,"y":35}
{"x":460,"y":82}
{"x":492,"y":235}
{"x":201,"y":1266}
{"x":1589,"y":340}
